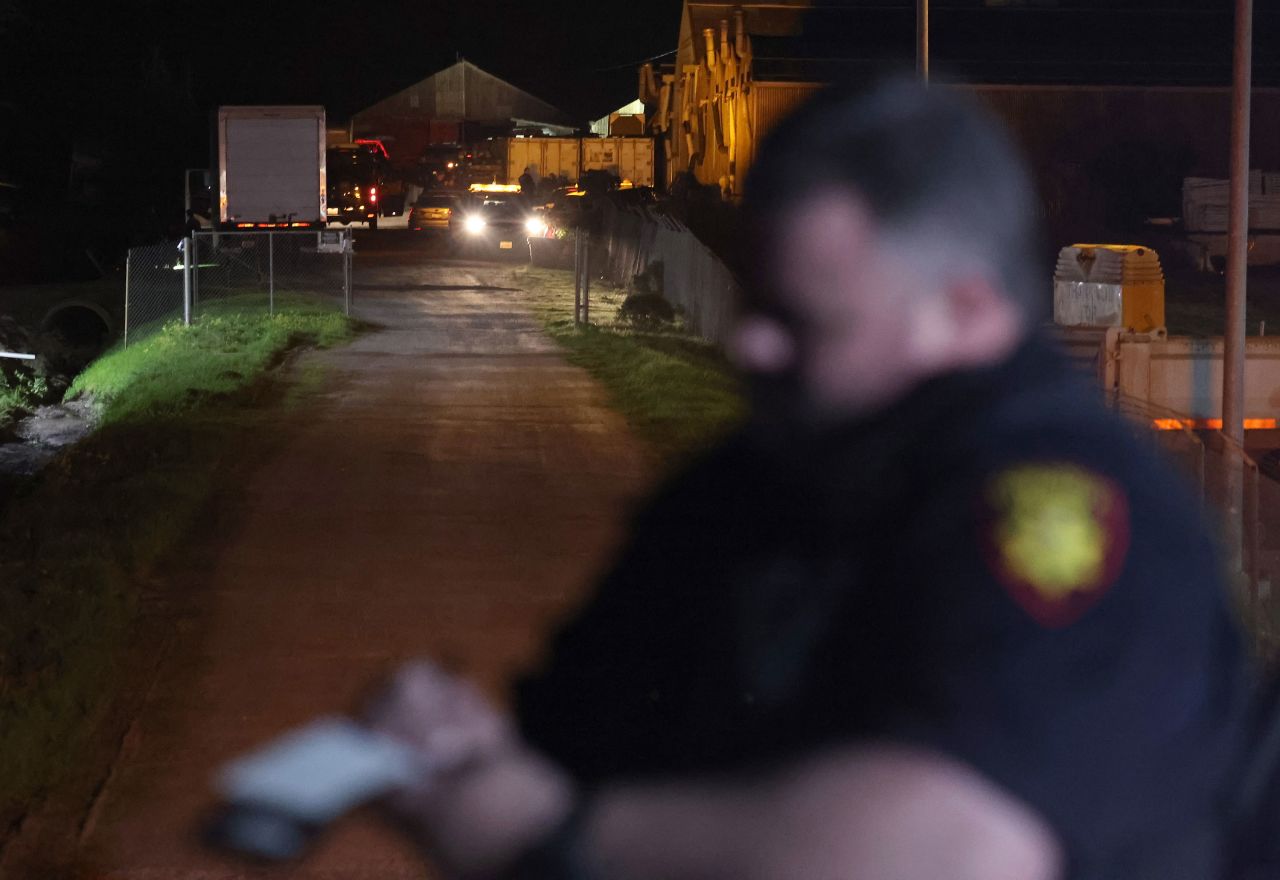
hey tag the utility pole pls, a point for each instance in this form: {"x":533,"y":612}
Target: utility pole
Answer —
{"x":1233,"y":354}
{"x":1238,"y":228}
{"x":922,"y":40}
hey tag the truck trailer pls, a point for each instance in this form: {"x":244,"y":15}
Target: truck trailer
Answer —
{"x":627,"y":158}
{"x":271,"y":167}
{"x":504,"y":160}
{"x":543,"y":157}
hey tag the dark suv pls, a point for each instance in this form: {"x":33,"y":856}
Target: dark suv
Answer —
{"x":354,"y":185}
{"x":496,"y":224}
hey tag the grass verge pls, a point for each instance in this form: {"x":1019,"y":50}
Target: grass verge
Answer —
{"x":180,"y":411}
{"x":676,"y":391}
{"x":176,"y":369}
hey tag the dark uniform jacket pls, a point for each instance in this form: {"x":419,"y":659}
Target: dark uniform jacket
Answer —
{"x":995,"y":567}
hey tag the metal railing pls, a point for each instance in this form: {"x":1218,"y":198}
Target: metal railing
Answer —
{"x":211,"y":272}
{"x":1236,"y":497}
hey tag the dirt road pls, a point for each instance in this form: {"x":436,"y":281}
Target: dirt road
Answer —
{"x":449,"y":485}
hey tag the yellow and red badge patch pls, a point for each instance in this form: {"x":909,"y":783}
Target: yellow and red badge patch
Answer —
{"x":1056,"y":535}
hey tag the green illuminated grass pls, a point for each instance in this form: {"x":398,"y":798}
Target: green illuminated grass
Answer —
{"x":183,"y":411}
{"x":675,"y":390}
{"x":179,"y":367}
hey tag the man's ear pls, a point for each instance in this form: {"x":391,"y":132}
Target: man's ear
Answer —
{"x":985,"y":323}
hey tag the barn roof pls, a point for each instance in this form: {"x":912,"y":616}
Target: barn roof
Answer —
{"x":464,"y":92}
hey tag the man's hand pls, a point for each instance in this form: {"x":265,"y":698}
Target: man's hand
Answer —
{"x":490,"y":797}
{"x":874,"y":812}
{"x":440,"y":715}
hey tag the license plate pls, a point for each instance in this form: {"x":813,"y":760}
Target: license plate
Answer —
{"x":504,"y":245}
{"x":332,"y":211}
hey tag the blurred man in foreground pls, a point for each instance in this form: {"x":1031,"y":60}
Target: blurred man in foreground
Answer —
{"x":930,"y":615}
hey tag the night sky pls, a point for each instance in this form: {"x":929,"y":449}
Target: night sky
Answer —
{"x":137,"y":81}
{"x":345,"y":55}
{"x":64,"y":61}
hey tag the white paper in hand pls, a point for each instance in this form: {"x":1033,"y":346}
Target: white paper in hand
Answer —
{"x":320,"y":771}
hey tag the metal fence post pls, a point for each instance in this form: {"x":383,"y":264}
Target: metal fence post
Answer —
{"x":577,"y":277}
{"x":195,"y":272}
{"x":586,"y":279}
{"x":271,"y":273}
{"x":128,"y":259}
{"x":346,"y":270}
{"x":186,"y":281}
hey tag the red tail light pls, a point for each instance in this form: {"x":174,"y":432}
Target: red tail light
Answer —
{"x":373,"y":194}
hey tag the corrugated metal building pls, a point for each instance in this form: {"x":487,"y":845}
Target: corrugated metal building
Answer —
{"x":460,"y":102}
{"x":1102,"y":153}
{"x":699,"y":106}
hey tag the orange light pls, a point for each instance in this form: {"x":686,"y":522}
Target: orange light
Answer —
{"x":1211,"y":424}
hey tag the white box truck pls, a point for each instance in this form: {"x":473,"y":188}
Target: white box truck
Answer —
{"x":271,"y":167}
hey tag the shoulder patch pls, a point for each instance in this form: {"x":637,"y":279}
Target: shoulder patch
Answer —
{"x":1055,"y":536}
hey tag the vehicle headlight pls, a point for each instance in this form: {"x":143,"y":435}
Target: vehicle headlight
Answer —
{"x":474,"y":224}
{"x":535,"y":226}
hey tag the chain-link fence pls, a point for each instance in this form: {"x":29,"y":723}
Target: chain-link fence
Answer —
{"x":153,"y":288}
{"x":1236,"y":496}
{"x":693,"y":277}
{"x":223,"y":272}
{"x":271,"y":270}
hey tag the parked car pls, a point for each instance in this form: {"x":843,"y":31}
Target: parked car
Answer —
{"x":433,"y":211}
